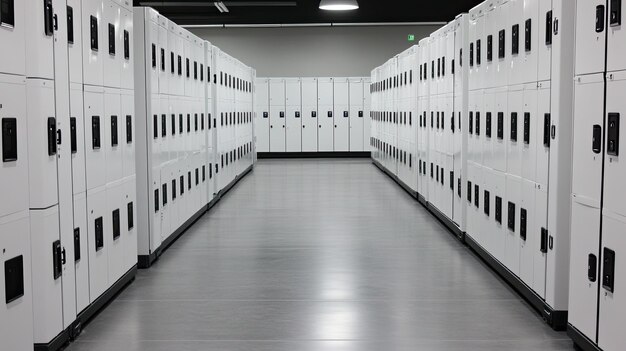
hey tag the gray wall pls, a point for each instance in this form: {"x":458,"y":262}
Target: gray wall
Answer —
{"x":314,"y":51}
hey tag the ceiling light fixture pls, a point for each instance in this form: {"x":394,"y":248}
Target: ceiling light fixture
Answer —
{"x":221,"y":7}
{"x":338,"y":5}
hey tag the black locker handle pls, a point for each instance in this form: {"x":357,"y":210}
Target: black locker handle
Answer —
{"x":57,"y":262}
{"x":76,"y":244}
{"x":596,"y":140}
{"x":600,"y":18}
{"x":52,"y":136}
{"x":608,"y":267}
{"x":63,"y":257}
{"x":592,"y":268}
{"x":48,"y":18}
{"x":544,"y":241}
{"x":546,"y":129}
{"x":616,"y":13}
{"x":9,"y":139}
{"x":70,"y":25}
{"x":73,"y":143}
{"x":549,"y":27}
{"x":612,"y":147}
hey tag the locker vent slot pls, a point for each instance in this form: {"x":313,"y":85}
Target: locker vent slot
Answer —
{"x":527,"y":128}
{"x":612,"y":147}
{"x":130,"y":215}
{"x":7,"y":12}
{"x":486,"y":203}
{"x":599,"y":18}
{"x":48,"y":18}
{"x":501,"y":41}
{"x":14,"y":278}
{"x":70,"y":23}
{"x":52,"y":136}
{"x":500,"y":125}
{"x":99,"y":232}
{"x":515,"y":39}
{"x":74,"y":148}
{"x":57,"y":263}
{"x":616,"y":13}
{"x":115,"y":215}
{"x":9,"y":139}
{"x":95,"y":132}
{"x":523,"y":222}
{"x":546,"y":129}
{"x":127,"y":46}
{"x":513,"y":126}
{"x":164,"y":193}
{"x":528,"y":35}
{"x":549,"y":27}
{"x":511,"y":217}
{"x":476,"y":196}
{"x":76,"y":244}
{"x":499,"y":209}
{"x":608,"y":273}
{"x":156,"y":200}
{"x":592,"y":268}
{"x":129,"y":129}
{"x":478,"y":58}
{"x":112,"y":41}
{"x":489,"y":48}
{"x":93,"y":32}
{"x":114,"y":139}
{"x":488,"y":125}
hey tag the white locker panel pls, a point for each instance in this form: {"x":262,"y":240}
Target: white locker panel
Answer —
{"x":293,"y":116}
{"x":126,"y":48}
{"x":128,"y":140}
{"x":529,"y":238}
{"x":98,"y":228}
{"x":112,"y":64}
{"x":75,"y":40}
{"x":615,"y":169}
{"x":529,"y":134}
{"x":357,"y":115}
{"x":501,"y":118}
{"x":511,"y":212}
{"x":612,"y":296}
{"x":113,"y":135}
{"x":540,"y":249}
{"x":367,"y":119}
{"x":115,"y":240}
{"x":40,"y":38}
{"x":13,"y":35}
{"x":489,"y":108}
{"x":16,"y":314}
{"x":325,"y":118}
{"x":47,"y":283}
{"x":129,"y":222}
{"x":81,"y":257}
{"x":542,"y":134}
{"x":14,"y":166}
{"x":42,"y":143}
{"x":341,"y":114}
{"x":94,"y":137}
{"x":277,"y":115}
{"x":94,"y":41}
{"x":544,"y":54}
{"x":590,"y":37}
{"x":77,"y":124}
{"x":309,"y":114}
{"x":513,"y":127}
{"x":502,"y":43}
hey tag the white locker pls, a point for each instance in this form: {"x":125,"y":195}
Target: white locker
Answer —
{"x":614,"y":170}
{"x":14,"y":169}
{"x":529,"y":237}
{"x":13,"y":35}
{"x":81,"y":256}
{"x":357,"y":115}
{"x":40,"y":37}
{"x":16,"y":313}
{"x":75,"y":40}
{"x":113,"y":137}
{"x":538,"y":231}
{"x":511,"y":208}
{"x":325,"y":118}
{"x":77,"y":124}
{"x":367,"y":117}
{"x":512,"y":130}
{"x":293,"y":119}
{"x":129,"y":227}
{"x":127,"y":138}
{"x":529,"y":134}
{"x":590,"y":36}
{"x":94,"y":39}
{"x":94,"y":137}
{"x":341,"y":114}
{"x":112,"y":64}
{"x":262,"y":128}
{"x":126,"y":45}
{"x":98,"y":227}
{"x":114,"y":241}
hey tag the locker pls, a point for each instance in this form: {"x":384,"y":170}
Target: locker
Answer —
{"x":541,"y":238}
{"x":544,"y":54}
{"x":126,"y":47}
{"x":42,"y":143}
{"x":47,"y":262}
{"x":98,"y":228}
{"x":263,"y":122}
{"x":614,"y":170}
{"x":511,"y":212}
{"x":114,"y":241}
{"x":513,"y":127}
{"x":502,"y":43}
{"x":357,"y":115}
{"x":367,"y":114}
{"x":94,"y":41}
{"x":127,"y":124}
{"x":40,"y":36}
{"x":77,"y":138}
{"x":542,"y":139}
{"x":110,"y":44}
{"x":75,"y":40}
{"x":490,"y":121}
{"x":325,"y":119}
{"x":591,"y":32}
{"x":529,"y":237}
{"x":293,"y":118}
{"x":129,"y":222}
{"x":16,"y":311}
{"x":94,"y":137}
{"x":341,"y":110}
{"x":114,"y":137}
{"x":501,"y":119}
{"x":529,"y":133}
{"x":14,"y":167}
{"x":81,"y":251}
{"x":490,"y":39}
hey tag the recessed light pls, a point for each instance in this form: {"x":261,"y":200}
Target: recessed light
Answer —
{"x":338,"y":5}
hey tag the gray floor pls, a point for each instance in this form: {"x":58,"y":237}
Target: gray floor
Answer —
{"x":318,"y":255}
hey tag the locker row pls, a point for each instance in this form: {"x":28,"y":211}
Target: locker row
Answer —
{"x":312,"y":114}
{"x":476,"y":121}
{"x":192,"y":143}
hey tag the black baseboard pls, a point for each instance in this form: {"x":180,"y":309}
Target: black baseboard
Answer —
{"x":145,"y":261}
{"x":320,"y":154}
{"x":88,"y":313}
{"x":580,"y":340}
{"x":555,"y":319}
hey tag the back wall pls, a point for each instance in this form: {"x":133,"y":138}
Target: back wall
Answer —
{"x":314,"y":51}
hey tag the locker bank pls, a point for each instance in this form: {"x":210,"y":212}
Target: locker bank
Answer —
{"x":312,"y":175}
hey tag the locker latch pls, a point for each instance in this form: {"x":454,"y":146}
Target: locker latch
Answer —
{"x":523,"y":222}
{"x":73,"y":141}
{"x":544,"y":241}
{"x":549,"y":28}
{"x":345,"y":113}
{"x":57,"y":262}
{"x":616,"y":13}
{"x":511,"y":217}
{"x":52,"y":136}
{"x":546,"y":129}
{"x":596,"y":140}
{"x":608,"y":266}
{"x":9,"y":139}
{"x":297,"y":114}
{"x":599,"y":18}
{"x":48,"y":18}
{"x":99,"y":233}
{"x":592,"y":268}
{"x":361,"y":114}
{"x":612,"y":147}
{"x":486,"y":203}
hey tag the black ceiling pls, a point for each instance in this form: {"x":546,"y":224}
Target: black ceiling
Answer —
{"x":307,"y":11}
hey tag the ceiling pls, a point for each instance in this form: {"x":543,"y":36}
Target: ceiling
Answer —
{"x":202,"y":12}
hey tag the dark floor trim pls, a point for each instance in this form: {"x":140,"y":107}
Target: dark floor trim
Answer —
{"x":555,"y":319}
{"x":145,"y":261}
{"x":320,"y":154}
{"x":88,"y":313}
{"x":581,"y":340}
{"x":406,"y":188}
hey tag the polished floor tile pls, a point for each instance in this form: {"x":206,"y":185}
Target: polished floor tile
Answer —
{"x":318,"y":255}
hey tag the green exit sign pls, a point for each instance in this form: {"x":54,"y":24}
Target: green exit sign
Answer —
{"x":411,"y":37}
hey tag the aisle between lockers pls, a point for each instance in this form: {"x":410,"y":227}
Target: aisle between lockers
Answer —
{"x":330,"y":254}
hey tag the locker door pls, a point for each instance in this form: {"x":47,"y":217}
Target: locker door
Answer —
{"x":341,"y":115}
{"x":128,"y":132}
{"x":113,"y":137}
{"x":309,"y":114}
{"x":277,"y":115}
{"x":500,"y":121}
{"x":126,"y":47}
{"x":39,"y":38}
{"x":357,"y":115}
{"x":540,"y":247}
{"x":81,"y":251}
{"x":325,"y":118}
{"x":615,"y":170}
{"x":529,"y":237}
{"x":77,"y":138}
{"x":293,"y":115}
{"x":163,"y":59}
{"x":617,"y":36}
{"x":529,"y":133}
{"x":542,"y":134}
{"x":94,"y":138}
{"x":114,"y":240}
{"x":511,"y":205}
{"x":129,"y":213}
{"x":612,"y":296}
{"x":75,"y":40}
{"x":544,"y":43}
{"x":513,"y":131}
{"x":490,"y":131}
{"x":12,"y":32}
{"x":94,"y":41}
{"x":367,"y":119}
{"x":499,"y":224}
{"x":112,"y":64}
{"x":98,"y":226}
{"x":590,"y":36}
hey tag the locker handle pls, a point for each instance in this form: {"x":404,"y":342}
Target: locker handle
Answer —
{"x":52,"y":137}
{"x":546,"y":129}
{"x":612,"y":147}
{"x":596,"y":141}
{"x":56,"y":259}
{"x":48,"y":17}
{"x":549,"y":28}
{"x":592,"y":268}
{"x":63,"y":258}
{"x":608,"y":266}
{"x":616,"y":13}
{"x":599,"y":18}
{"x":55,"y":20}
{"x":544,"y":240}
{"x":59,"y":139}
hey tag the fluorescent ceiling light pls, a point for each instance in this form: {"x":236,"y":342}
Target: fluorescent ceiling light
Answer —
{"x":338,"y":5}
{"x":221,"y":7}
